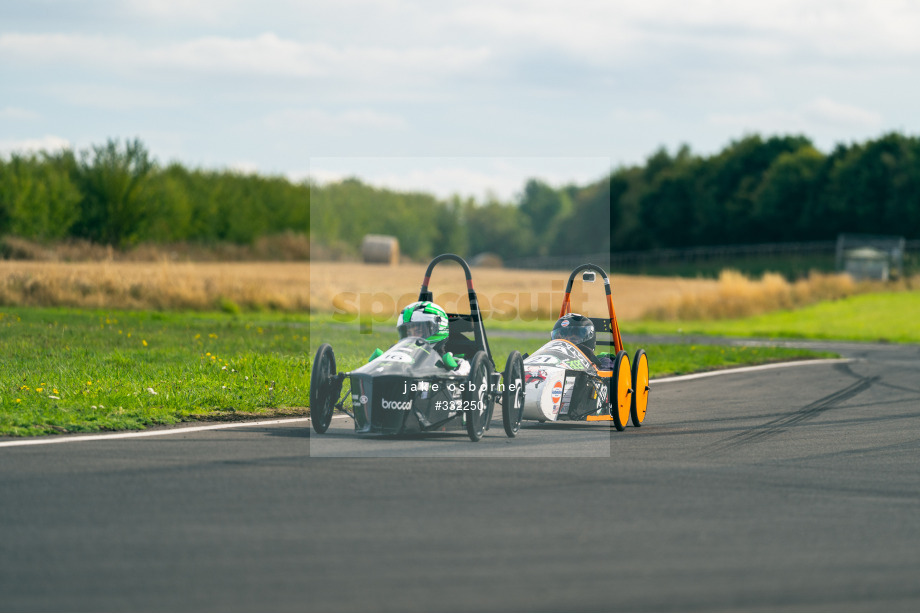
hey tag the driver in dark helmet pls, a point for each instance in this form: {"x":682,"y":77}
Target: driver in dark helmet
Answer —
{"x":579,"y":329}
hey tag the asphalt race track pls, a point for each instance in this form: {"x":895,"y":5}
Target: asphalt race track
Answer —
{"x":795,"y":488}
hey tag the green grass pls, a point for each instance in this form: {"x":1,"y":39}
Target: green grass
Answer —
{"x":102,"y":365}
{"x":891,"y":316}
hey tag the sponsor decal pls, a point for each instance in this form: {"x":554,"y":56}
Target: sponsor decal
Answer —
{"x":564,"y":323}
{"x":536,"y":375}
{"x":567,"y":397}
{"x":397,"y":405}
{"x":363,"y":399}
{"x":557,"y":392}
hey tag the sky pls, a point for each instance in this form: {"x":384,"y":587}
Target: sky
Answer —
{"x":469,"y":98}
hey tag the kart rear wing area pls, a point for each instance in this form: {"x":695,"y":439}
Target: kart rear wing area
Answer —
{"x":460,"y":323}
{"x":601,"y":325}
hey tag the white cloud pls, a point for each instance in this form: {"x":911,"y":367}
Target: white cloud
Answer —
{"x":18,"y":114}
{"x":611,"y":33}
{"x":820,"y":112}
{"x":832,"y":112}
{"x":207,"y":12}
{"x":264,"y":54}
{"x":318,"y":120}
{"x":46,"y":143}
{"x":116,"y":97}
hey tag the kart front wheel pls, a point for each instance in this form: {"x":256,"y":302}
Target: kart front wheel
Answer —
{"x":621,"y":393}
{"x":476,"y":395}
{"x":513,"y":394}
{"x":322,"y":397}
{"x":640,"y":388}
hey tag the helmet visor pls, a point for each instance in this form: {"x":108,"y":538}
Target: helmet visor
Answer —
{"x":575,"y":334}
{"x":417,"y":329}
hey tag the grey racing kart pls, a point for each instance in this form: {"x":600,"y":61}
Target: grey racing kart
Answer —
{"x":408,"y":389}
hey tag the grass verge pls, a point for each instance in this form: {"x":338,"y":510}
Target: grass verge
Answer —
{"x":888,"y":316}
{"x":66,"y":370}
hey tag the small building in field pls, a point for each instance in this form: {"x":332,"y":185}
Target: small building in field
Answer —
{"x":870,"y":256}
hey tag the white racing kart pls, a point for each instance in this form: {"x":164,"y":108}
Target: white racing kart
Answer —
{"x":562,"y":383}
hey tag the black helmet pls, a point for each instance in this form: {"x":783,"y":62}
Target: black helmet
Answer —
{"x":576,"y":328}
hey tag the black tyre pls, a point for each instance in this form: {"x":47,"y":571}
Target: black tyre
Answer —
{"x":322,"y":397}
{"x":621,"y":391}
{"x":640,"y":388}
{"x":475,"y":396}
{"x":513,"y":400}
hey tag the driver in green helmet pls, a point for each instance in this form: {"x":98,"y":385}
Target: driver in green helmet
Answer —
{"x":429,"y":321}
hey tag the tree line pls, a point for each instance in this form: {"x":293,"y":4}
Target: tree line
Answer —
{"x":754,"y":190}
{"x":116,"y":194}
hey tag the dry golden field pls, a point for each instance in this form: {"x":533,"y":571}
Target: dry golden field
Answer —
{"x":503,"y":294}
{"x":378,"y":291}
{"x":346,"y":287}
{"x":163,"y":285}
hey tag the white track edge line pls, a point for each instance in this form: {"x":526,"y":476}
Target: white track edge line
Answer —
{"x":772,"y":365}
{"x":230,"y":425}
{"x":178,"y":431}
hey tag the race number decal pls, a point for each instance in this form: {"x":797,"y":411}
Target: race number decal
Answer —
{"x":396,"y":357}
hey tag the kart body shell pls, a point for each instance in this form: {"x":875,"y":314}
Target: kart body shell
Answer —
{"x":561,"y":383}
{"x":406,"y":390}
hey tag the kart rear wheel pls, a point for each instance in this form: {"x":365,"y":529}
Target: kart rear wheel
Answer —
{"x":513,"y":400}
{"x":322,"y":397}
{"x":620,"y":399}
{"x":475,"y":396}
{"x":640,"y":388}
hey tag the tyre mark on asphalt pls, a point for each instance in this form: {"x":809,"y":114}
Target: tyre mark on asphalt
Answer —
{"x":901,"y":388}
{"x":911,"y":445}
{"x":808,"y":412}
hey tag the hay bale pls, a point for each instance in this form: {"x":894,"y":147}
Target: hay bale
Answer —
{"x":380,"y":249}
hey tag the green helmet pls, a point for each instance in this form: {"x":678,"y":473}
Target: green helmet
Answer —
{"x":423,"y":319}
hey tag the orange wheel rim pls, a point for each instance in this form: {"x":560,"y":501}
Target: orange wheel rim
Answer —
{"x":642,"y":388}
{"x":624,"y":393}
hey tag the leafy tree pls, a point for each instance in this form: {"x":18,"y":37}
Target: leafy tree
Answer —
{"x":545,"y":208}
{"x":586,"y":227}
{"x":37,"y":198}
{"x":784,"y":195}
{"x":729,"y":182}
{"x":874,"y":187}
{"x":112,"y":180}
{"x":500,"y":229}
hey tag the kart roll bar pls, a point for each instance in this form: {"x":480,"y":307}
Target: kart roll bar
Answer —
{"x":610,"y":326}
{"x":424,"y":294}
